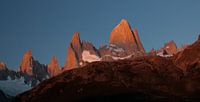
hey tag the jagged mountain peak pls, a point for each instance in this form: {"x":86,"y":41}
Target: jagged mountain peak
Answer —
{"x":54,"y":67}
{"x":122,"y":35}
{"x":2,"y":66}
{"x":139,"y":43}
{"x":27,"y":62}
{"x":76,"y":40}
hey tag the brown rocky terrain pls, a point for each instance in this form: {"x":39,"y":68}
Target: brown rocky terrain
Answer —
{"x":188,"y":56}
{"x":104,"y":79}
{"x":147,"y":78}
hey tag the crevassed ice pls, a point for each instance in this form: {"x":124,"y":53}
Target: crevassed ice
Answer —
{"x":89,"y":57}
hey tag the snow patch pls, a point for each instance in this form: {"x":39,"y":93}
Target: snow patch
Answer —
{"x":81,"y":63}
{"x":162,"y":55}
{"x":14,"y":87}
{"x":120,"y":58}
{"x":115,"y":48}
{"x":89,"y":57}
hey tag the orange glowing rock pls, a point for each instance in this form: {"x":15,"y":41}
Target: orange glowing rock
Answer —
{"x":3,"y":66}
{"x":53,"y":67}
{"x":122,"y":35}
{"x":27,"y":63}
{"x":139,"y":44}
{"x":72,"y":60}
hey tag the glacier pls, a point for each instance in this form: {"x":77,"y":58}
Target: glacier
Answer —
{"x":14,"y":87}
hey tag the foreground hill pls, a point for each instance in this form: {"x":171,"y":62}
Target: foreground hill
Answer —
{"x":148,"y":78}
{"x":104,"y":79}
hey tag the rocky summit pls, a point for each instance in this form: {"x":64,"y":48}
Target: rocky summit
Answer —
{"x":3,"y":66}
{"x":124,"y":43}
{"x":124,"y":37}
{"x":32,"y":70}
{"x":54,"y":67}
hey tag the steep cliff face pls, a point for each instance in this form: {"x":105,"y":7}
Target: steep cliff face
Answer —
{"x":137,"y":38}
{"x":77,"y":45}
{"x":53,"y":67}
{"x":122,"y":36}
{"x":171,"y":47}
{"x":3,"y":66}
{"x":32,"y":70}
{"x":77,"y":51}
{"x":72,"y":59}
{"x":26,"y":65}
{"x":124,"y":43}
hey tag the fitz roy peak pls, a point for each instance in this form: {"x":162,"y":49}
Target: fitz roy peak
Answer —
{"x":123,"y":37}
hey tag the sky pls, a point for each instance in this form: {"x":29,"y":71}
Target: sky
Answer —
{"x":47,"y":26}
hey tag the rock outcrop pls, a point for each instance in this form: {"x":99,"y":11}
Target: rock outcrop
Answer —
{"x":89,"y":47}
{"x":190,"y":55}
{"x":123,"y":37}
{"x":32,"y":70}
{"x":77,"y":45}
{"x":169,"y":49}
{"x":72,"y":59}
{"x":6,"y":73}
{"x":3,"y":66}
{"x":139,"y":43}
{"x":124,"y":43}
{"x":26,"y":65}
{"x":75,"y":52}
{"x":53,"y":67}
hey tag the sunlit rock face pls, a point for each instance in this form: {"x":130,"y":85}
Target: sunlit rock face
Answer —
{"x":137,"y":38}
{"x":3,"y":71}
{"x":123,"y":43}
{"x":77,"y":45}
{"x":122,"y":36}
{"x":27,"y":63}
{"x":32,"y":70}
{"x":54,"y":67}
{"x":3,"y":66}
{"x":189,"y":57}
{"x":72,"y":59}
{"x":75,"y":52}
{"x":171,"y":47}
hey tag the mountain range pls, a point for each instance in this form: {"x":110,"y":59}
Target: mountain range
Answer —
{"x":120,"y":70}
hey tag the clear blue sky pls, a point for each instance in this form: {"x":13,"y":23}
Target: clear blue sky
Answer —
{"x":46,"y":26}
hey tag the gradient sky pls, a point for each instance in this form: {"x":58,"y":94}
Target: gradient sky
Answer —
{"x":46,"y":26}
